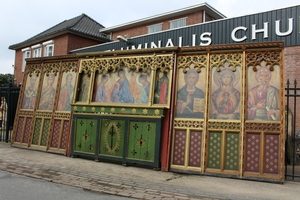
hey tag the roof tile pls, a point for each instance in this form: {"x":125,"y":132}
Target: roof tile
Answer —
{"x":81,"y":24}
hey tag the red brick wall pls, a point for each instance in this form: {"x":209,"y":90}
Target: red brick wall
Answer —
{"x":18,"y":66}
{"x":208,"y":18}
{"x":62,"y":45}
{"x":76,"y":42}
{"x":292,"y":63}
{"x":192,"y":18}
{"x":292,"y":73}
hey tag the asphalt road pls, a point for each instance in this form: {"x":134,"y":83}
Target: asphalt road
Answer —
{"x":13,"y":187}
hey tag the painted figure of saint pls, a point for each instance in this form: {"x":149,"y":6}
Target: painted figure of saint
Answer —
{"x":263,"y":99}
{"x":190,"y":99}
{"x":225,"y":100}
{"x":144,"y":95}
{"x":30,"y":94}
{"x":226,"y":103}
{"x":161,"y":89}
{"x":100,"y":95}
{"x":121,"y":91}
{"x":84,"y":88}
{"x":65,"y":96}
{"x":48,"y":94}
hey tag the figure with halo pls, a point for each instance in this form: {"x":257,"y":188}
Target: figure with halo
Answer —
{"x":66,"y":94}
{"x":190,"y":98}
{"x":121,"y":91}
{"x":263,"y":99}
{"x":48,"y":94}
{"x":144,"y":95}
{"x":30,"y":93}
{"x":100,"y":95}
{"x":225,"y":100}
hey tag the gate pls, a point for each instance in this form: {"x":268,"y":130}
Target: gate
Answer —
{"x":9,"y":99}
{"x":292,"y":145}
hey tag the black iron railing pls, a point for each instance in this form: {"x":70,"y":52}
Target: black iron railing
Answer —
{"x":8,"y":105}
{"x":292,"y":143}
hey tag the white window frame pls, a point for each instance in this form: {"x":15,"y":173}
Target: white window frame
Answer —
{"x":37,"y":51}
{"x":47,"y":46}
{"x":26,"y":54}
{"x":177,"y":23}
{"x":155,"y":28}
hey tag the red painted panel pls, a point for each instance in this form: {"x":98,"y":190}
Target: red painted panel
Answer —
{"x":27,"y":130}
{"x":195,"y":148}
{"x":19,"y":130}
{"x":179,"y":147}
{"x":252,"y":152}
{"x":65,"y":134}
{"x":271,"y":154}
{"x":55,"y":134}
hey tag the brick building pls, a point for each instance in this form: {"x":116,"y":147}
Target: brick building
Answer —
{"x":196,"y":14}
{"x":78,"y":32}
{"x":82,"y":31}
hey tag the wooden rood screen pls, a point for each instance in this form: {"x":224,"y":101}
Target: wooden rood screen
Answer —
{"x":229,"y":115}
{"x":44,"y":110}
{"x":211,"y":110}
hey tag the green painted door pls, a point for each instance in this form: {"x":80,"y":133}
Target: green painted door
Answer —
{"x":141,"y":140}
{"x":85,"y":135}
{"x":112,"y":137}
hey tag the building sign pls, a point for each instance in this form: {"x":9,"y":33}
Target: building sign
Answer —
{"x":272,"y":26}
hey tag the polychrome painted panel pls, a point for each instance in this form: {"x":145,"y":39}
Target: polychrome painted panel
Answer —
{"x":27,"y":130}
{"x":232,"y":151}
{"x":179,"y":147}
{"x":85,"y":135}
{"x":48,"y":92}
{"x":84,"y":87}
{"x":195,"y":148}
{"x":141,"y":140}
{"x":45,"y":132}
{"x":225,"y":98}
{"x":271,"y":164}
{"x":252,"y":152}
{"x":263,"y":93}
{"x":36,"y":131}
{"x":19,"y":129}
{"x":30,"y":92}
{"x":112,"y":137}
{"x":122,"y":87}
{"x":66,"y":91}
{"x":65,"y":134}
{"x":161,"y":87}
{"x":214,"y":150}
{"x":190,"y":93}
{"x":55,"y":134}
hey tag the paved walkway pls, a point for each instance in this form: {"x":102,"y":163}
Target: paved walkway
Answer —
{"x":135,"y":182}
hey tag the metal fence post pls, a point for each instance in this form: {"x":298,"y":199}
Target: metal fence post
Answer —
{"x":286,"y":126}
{"x":8,"y":109}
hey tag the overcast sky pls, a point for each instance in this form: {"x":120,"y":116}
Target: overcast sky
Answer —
{"x":22,"y":19}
